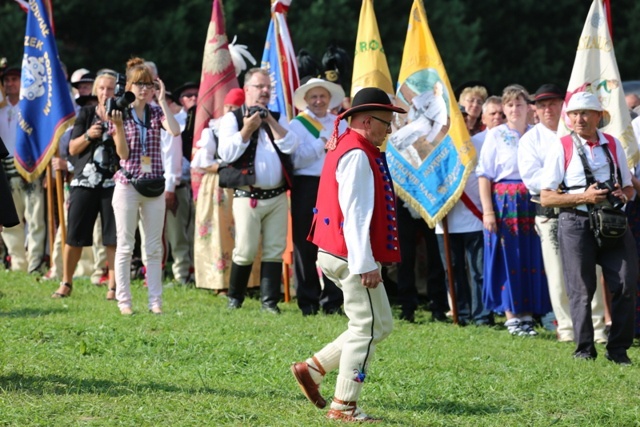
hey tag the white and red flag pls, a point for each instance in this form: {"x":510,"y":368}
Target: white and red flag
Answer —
{"x":595,"y":70}
{"x":279,"y":59}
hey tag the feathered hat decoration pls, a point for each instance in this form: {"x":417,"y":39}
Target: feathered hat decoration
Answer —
{"x":240,"y":55}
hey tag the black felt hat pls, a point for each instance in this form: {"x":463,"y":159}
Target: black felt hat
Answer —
{"x":177,"y":93}
{"x":549,"y":91}
{"x":371,"y":99}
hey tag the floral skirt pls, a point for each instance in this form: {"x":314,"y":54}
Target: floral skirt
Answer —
{"x":214,"y":236}
{"x":514,"y":277}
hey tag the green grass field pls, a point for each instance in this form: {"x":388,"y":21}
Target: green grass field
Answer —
{"x":78,"y":362}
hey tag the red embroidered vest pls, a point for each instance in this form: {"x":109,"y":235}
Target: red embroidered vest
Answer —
{"x":327,"y":227}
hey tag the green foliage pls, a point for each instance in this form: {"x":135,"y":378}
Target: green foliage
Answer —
{"x":527,"y":41}
{"x":77,"y":361}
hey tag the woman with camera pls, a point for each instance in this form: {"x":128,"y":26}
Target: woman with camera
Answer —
{"x":140,"y":182}
{"x":93,"y":155}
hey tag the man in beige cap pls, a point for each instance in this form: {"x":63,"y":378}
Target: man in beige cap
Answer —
{"x":605,"y":180}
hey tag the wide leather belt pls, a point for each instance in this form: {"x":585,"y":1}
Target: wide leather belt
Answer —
{"x":260,"y":194}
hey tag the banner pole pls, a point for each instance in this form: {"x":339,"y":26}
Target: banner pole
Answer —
{"x":50,"y":217}
{"x":60,"y":198}
{"x":452,"y":287}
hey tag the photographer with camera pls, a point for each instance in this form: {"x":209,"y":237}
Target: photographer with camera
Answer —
{"x":592,"y":168}
{"x":255,"y":144}
{"x":140,"y":182}
{"x":95,"y":161}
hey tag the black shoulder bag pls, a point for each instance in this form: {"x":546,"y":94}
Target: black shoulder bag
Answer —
{"x":607,"y":223}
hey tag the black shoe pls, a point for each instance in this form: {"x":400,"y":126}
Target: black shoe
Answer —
{"x":309,"y":310}
{"x":583,"y":355}
{"x":620,"y":359}
{"x":273,"y":309}
{"x":332,"y":310}
{"x":233,"y":304}
{"x":439,"y":316}
{"x":408,"y":316}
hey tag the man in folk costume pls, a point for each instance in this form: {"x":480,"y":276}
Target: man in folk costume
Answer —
{"x":313,"y":126}
{"x":256,"y":143}
{"x":584,"y":163}
{"x":355,"y":230}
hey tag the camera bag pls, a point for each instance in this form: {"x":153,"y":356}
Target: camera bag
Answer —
{"x":148,"y":187}
{"x":609,"y":225}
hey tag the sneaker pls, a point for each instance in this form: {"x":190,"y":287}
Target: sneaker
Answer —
{"x":513,"y":326}
{"x":526,"y":328}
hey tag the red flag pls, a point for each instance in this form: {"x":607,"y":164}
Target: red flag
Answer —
{"x":218,"y":73}
{"x":217,"y":79}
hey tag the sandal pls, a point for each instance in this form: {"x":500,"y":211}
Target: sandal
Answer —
{"x":58,"y":294}
{"x":111,"y":294}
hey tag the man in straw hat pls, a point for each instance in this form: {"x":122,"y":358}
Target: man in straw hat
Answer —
{"x":313,"y":126}
{"x":355,"y":230}
{"x":579,"y":248}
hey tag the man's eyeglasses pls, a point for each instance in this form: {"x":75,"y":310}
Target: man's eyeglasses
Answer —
{"x":144,"y":85}
{"x":388,"y":124}
{"x":189,"y":95}
{"x":260,"y":87}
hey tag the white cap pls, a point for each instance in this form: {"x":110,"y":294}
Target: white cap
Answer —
{"x":77,"y":74}
{"x":583,"y":101}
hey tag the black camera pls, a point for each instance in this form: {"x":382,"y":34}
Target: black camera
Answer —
{"x":256,"y":108}
{"x":122,"y":99}
{"x":616,"y":202}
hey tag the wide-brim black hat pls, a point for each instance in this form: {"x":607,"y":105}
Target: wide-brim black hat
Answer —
{"x":371,"y":99}
{"x":177,"y":93}
{"x":549,"y":91}
{"x":84,"y":99}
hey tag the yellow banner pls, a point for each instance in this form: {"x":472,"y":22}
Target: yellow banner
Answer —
{"x":370,"y":68}
{"x":430,"y":154}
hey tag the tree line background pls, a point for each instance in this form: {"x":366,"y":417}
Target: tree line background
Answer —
{"x":495,"y":41}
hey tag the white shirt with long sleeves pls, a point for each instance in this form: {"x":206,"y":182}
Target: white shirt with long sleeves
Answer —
{"x":231,"y":147}
{"x":9,"y":126}
{"x":532,"y":150}
{"x":356,"y":199}
{"x":308,"y":158}
{"x":172,"y":154}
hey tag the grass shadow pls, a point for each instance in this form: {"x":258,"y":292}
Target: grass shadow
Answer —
{"x":32,"y":312}
{"x":448,"y":407}
{"x":59,"y":385}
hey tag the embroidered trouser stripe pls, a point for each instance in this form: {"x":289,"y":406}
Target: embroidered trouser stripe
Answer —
{"x":370,"y":321}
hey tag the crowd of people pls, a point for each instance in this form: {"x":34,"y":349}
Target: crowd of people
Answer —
{"x":504,"y":244}
{"x":521,"y":239}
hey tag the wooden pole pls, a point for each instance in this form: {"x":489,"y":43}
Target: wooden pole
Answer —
{"x":60,"y":198}
{"x":447,"y":255}
{"x":50,"y":217}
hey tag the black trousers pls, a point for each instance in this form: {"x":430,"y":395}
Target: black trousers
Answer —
{"x":309,"y":293}
{"x":409,"y":231}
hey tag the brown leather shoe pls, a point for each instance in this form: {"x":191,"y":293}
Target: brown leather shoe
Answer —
{"x":354,"y":415}
{"x":310,"y":389}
